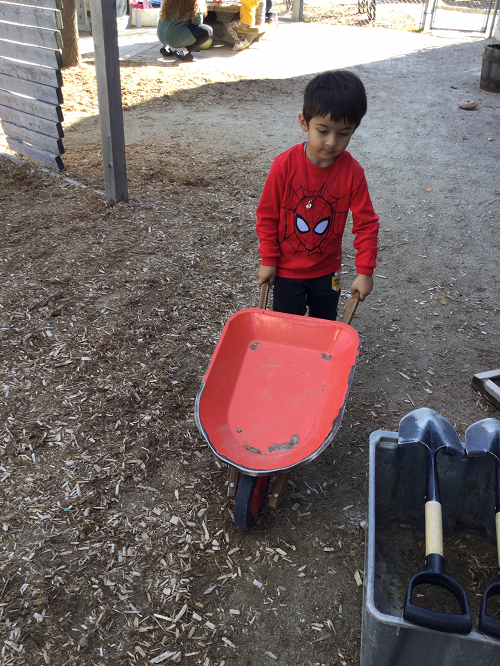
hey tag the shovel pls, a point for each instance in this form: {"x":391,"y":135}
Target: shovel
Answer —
{"x":431,"y":429}
{"x":481,"y":438}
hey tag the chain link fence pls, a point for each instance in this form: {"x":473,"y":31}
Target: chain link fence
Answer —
{"x":393,"y":14}
{"x":410,"y":15}
{"x":463,"y":15}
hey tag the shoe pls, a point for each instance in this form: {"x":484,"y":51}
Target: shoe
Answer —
{"x":239,"y":46}
{"x":185,"y":56}
{"x":167,"y":52}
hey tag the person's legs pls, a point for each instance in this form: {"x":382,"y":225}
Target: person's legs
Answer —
{"x":323,"y":296}
{"x":289,"y":295}
{"x":202,"y":33}
{"x":239,"y":41}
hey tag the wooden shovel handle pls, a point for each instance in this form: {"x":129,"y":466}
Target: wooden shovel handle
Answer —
{"x":351,"y":309}
{"x":264,"y":293}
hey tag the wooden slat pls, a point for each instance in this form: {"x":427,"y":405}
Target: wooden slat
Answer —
{"x":35,"y":138}
{"x":34,"y":54}
{"x":256,"y":29}
{"x":32,"y":106}
{"x":49,"y":39}
{"x":107,"y":65}
{"x":48,"y":4}
{"x":42,"y":75}
{"x":36,"y":90}
{"x":234,"y":475}
{"x":279,"y":489}
{"x":43,"y":18}
{"x":31,"y":122}
{"x":36,"y":154}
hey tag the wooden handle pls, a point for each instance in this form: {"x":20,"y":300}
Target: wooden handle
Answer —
{"x":264,"y":293}
{"x":433,"y":528}
{"x":351,"y":309}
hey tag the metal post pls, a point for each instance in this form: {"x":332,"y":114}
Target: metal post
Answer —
{"x":495,"y":12}
{"x":297,"y":10}
{"x":109,"y":94}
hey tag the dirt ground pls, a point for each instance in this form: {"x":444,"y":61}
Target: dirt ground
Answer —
{"x":118,"y":545}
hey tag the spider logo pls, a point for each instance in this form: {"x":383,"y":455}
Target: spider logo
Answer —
{"x":313,"y":220}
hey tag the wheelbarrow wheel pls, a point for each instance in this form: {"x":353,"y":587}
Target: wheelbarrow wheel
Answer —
{"x":249,"y":500}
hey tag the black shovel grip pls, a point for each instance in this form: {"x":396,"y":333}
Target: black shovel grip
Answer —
{"x":451,"y":623}
{"x":488,"y":624}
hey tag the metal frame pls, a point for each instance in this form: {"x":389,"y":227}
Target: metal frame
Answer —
{"x":482,"y":30}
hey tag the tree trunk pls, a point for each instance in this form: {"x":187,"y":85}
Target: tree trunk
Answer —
{"x":69,"y":34}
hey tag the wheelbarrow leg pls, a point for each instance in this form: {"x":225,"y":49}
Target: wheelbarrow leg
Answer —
{"x":234,"y":475}
{"x":279,"y":489}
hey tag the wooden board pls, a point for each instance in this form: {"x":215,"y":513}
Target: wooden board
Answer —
{"x":21,"y":70}
{"x":43,"y":18}
{"x":107,"y":65}
{"x":35,"y":90}
{"x":256,"y":29}
{"x":49,"y":39}
{"x":32,"y":106}
{"x":33,"y":54}
{"x":226,"y":9}
{"x":48,"y":4}
{"x":49,"y":143}
{"x":37,"y":154}
{"x":31,"y":122}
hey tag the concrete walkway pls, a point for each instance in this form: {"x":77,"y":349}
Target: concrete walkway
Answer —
{"x":295,"y":49}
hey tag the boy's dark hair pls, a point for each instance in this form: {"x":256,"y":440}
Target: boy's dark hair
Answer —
{"x":340,"y":95}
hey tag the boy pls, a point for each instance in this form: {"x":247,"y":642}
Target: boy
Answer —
{"x":302,"y":213}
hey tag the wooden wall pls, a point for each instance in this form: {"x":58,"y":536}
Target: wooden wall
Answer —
{"x":30,"y":79}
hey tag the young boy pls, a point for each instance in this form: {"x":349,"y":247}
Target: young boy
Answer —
{"x":303,"y":209}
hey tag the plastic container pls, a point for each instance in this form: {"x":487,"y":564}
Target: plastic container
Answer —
{"x":396,"y":497}
{"x":145,"y":18}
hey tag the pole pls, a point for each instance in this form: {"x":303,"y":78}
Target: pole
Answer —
{"x":109,"y":94}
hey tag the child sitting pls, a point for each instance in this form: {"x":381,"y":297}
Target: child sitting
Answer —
{"x":247,"y":20}
{"x":303,"y":210}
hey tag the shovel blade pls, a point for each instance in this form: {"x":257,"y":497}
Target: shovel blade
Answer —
{"x":429,"y":428}
{"x":483,"y":437}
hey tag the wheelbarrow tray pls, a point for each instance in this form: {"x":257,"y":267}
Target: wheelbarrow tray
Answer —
{"x":275,"y":391}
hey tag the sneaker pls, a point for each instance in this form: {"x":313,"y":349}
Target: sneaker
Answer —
{"x":167,"y":52}
{"x":185,"y":56}
{"x":239,"y":46}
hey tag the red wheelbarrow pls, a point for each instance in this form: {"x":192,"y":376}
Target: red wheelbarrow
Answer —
{"x":273,"y":398}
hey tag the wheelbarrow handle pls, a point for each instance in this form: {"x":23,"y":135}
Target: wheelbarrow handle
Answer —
{"x":264,"y":293}
{"x":351,"y":308}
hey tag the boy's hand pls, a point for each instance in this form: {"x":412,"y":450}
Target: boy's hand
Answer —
{"x":363,"y":284}
{"x":266,"y":273}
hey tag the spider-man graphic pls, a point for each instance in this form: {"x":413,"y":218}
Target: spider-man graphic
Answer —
{"x":312,"y":221}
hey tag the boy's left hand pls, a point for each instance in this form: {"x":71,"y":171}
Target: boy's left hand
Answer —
{"x":362,"y":284}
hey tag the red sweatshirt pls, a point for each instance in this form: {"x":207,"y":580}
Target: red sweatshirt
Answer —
{"x":302,"y":213}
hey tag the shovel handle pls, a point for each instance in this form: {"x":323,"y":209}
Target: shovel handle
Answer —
{"x":264,"y":293}
{"x":351,"y":308}
{"x":497,"y":523}
{"x":433,"y":529}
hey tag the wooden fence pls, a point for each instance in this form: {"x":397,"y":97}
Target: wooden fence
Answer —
{"x":30,"y":79}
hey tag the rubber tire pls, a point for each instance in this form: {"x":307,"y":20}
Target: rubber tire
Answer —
{"x":249,"y":501}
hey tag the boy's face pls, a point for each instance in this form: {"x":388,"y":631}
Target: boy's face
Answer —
{"x":327,"y":139}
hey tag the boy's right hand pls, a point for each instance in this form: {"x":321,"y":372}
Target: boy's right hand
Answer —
{"x":266,"y":274}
